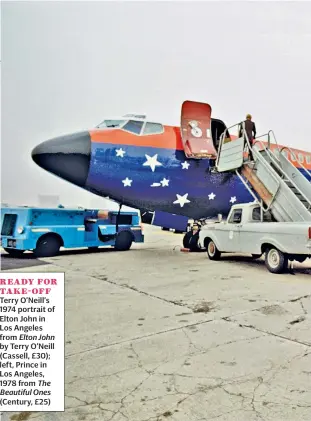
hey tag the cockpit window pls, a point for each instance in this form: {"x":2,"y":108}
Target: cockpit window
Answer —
{"x":133,"y":126}
{"x":153,"y":128}
{"x":111,"y":123}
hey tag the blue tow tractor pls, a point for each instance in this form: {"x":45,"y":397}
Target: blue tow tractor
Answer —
{"x":45,"y":231}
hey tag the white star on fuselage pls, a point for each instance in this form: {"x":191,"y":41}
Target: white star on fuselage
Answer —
{"x":211,"y":196}
{"x":120,"y":152}
{"x":164,"y":182}
{"x":233,"y":199}
{"x":127,"y":182}
{"x":181,"y":200}
{"x":185,"y":165}
{"x":152,"y":162}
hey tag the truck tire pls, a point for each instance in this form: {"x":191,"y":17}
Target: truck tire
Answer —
{"x":47,"y":246}
{"x":275,"y":260}
{"x":123,"y":241}
{"x":212,"y":251}
{"x":14,"y":252}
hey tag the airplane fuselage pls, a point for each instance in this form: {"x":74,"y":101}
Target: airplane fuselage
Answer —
{"x":145,"y":167}
{"x":160,"y":178}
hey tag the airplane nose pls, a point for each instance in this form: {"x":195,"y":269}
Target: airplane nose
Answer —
{"x":67,"y":157}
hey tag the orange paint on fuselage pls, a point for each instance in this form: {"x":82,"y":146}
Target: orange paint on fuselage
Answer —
{"x":171,"y":139}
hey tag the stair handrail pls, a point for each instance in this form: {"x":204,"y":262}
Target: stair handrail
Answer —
{"x":219,"y":148}
{"x":276,"y":177}
{"x":245,"y":136}
{"x":221,"y":141}
{"x":283,"y":148}
{"x":281,"y":170}
{"x":223,"y":137}
{"x":293,"y":154}
{"x":267,"y":166}
{"x":274,"y":159}
{"x":268,"y":136}
{"x":261,"y":159}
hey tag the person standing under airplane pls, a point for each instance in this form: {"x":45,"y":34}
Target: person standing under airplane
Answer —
{"x":250,"y":129}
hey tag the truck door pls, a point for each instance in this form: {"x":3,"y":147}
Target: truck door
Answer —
{"x":196,"y":130}
{"x":234,"y":225}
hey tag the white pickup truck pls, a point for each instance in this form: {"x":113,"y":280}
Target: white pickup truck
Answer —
{"x":250,"y":230}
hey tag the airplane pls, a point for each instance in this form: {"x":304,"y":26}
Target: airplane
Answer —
{"x":163,"y":171}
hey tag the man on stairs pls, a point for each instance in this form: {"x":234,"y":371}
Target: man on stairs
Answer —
{"x":250,"y":129}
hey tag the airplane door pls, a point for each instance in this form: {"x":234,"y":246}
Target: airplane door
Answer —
{"x":196,"y":130}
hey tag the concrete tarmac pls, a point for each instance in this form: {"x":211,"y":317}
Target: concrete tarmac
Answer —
{"x":154,"y":334}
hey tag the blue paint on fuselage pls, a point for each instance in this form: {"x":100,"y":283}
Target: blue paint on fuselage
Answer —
{"x":107,"y":170}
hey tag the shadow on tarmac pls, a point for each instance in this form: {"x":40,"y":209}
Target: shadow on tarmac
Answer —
{"x":29,"y":259}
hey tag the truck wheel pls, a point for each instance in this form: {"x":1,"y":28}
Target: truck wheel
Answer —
{"x":123,"y":241}
{"x":212,"y":251}
{"x":47,"y":246}
{"x":14,"y":252}
{"x":276,"y":261}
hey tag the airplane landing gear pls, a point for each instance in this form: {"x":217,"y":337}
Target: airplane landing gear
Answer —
{"x":190,"y":241}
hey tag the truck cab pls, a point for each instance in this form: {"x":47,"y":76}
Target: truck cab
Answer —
{"x":247,"y":213}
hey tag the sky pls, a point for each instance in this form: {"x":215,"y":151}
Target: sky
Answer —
{"x":65,"y":66}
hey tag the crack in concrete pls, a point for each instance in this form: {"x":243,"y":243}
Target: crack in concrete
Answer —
{"x":100,"y":376}
{"x":260,"y":381}
{"x":133,"y":288}
{"x":138,"y":338}
{"x":191,"y":344}
{"x":293,"y":300}
{"x":303,"y":308}
{"x":228,"y":319}
{"x":297,"y":320}
{"x":182,"y":327}
{"x":222,"y":384}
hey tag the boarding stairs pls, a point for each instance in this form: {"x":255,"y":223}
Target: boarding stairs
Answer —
{"x":282,"y":188}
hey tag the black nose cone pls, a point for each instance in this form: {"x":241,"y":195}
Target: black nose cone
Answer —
{"x":67,"y":157}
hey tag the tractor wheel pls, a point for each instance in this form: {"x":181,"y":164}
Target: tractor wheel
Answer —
{"x":48,"y":246}
{"x":124,"y":241}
